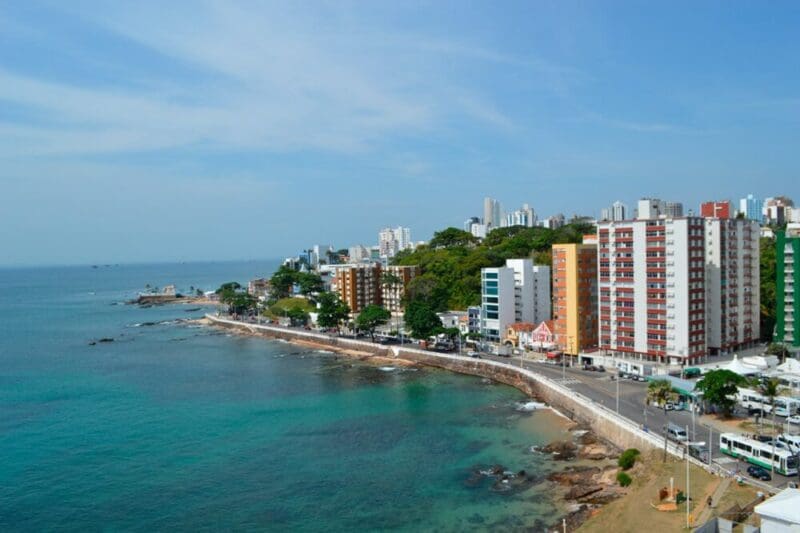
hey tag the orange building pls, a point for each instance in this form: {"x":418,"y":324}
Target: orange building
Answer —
{"x":359,"y":286}
{"x":575,"y":297}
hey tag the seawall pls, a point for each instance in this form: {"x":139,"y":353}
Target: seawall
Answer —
{"x":605,"y":423}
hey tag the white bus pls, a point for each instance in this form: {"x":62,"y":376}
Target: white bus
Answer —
{"x":752,"y":400}
{"x":785,"y":406}
{"x":758,"y":453}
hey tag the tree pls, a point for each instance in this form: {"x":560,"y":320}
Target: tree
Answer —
{"x":768,"y":289}
{"x":332,"y":310}
{"x":370,"y":318}
{"x":660,"y":392}
{"x":282,"y":282}
{"x":309,"y":283}
{"x":297,"y":316}
{"x":421,"y":319}
{"x":770,"y":389}
{"x":779,"y":349}
{"x":450,"y":237}
{"x":719,"y":387}
{"x":239,"y":302}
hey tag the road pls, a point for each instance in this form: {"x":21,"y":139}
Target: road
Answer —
{"x":601,"y":388}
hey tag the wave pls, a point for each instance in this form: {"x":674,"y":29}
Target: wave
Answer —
{"x":530,"y":406}
{"x":388,"y":368}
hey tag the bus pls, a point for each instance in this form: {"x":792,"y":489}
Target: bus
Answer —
{"x":753,"y":401}
{"x":758,"y":453}
{"x":785,"y":406}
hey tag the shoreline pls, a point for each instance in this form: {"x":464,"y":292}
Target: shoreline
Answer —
{"x":580,"y":506}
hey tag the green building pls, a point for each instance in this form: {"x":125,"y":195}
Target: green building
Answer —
{"x":787,"y":328}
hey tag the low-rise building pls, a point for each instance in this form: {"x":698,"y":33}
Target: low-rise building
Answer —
{"x":259,"y":287}
{"x":781,"y":513}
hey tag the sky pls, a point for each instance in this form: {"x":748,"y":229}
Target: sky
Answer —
{"x":171,"y":131}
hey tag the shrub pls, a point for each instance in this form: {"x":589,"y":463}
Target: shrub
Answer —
{"x":623,"y":479}
{"x":628,"y":458}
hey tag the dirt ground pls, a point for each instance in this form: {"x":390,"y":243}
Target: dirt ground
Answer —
{"x":635,"y":513}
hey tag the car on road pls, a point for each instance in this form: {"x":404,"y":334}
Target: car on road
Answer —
{"x":474,"y":355}
{"x":758,"y":473}
{"x":699,"y":451}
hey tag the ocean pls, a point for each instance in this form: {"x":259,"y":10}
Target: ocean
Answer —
{"x":181,"y":427}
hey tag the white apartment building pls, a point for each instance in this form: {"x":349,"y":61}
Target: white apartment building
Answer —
{"x":518,"y":292}
{"x":393,"y":240}
{"x":618,"y":211}
{"x":651,"y":281}
{"x":358,"y":253}
{"x":497,"y":301}
{"x":673,"y":289}
{"x":525,"y":216}
{"x":732,"y":284}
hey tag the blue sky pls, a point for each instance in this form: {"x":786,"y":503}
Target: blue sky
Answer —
{"x":210,"y":130}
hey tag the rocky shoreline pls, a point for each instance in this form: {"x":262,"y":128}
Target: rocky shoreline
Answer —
{"x":584,"y":487}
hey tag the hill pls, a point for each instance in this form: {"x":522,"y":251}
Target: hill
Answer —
{"x":451,"y":262}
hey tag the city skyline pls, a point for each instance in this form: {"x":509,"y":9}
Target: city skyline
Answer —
{"x":229,"y":131}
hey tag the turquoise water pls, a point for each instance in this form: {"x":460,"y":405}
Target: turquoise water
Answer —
{"x":174,"y":426}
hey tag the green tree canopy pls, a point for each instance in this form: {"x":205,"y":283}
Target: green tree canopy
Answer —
{"x":370,"y":318}
{"x":450,"y":237}
{"x":332,"y":310}
{"x":768,"y":278}
{"x":282,"y":281}
{"x":309,"y":282}
{"x":719,"y":387}
{"x":297,"y":316}
{"x":421,"y":319}
{"x":451,"y":264}
{"x":659,"y":392}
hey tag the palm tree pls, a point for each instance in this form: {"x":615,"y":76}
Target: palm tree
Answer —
{"x":659,"y":392}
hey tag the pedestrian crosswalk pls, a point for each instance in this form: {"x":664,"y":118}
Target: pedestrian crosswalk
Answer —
{"x":567,"y":381}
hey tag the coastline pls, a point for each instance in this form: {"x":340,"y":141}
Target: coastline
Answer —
{"x":580,"y":448}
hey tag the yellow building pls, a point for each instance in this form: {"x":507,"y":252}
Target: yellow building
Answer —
{"x":575,"y":296}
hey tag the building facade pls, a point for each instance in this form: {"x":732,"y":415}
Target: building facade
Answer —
{"x":393,"y":240}
{"x":359,"y":286}
{"x":750,"y":208}
{"x":492,"y":213}
{"x":575,"y":319}
{"x":651,"y":283}
{"x":525,"y":216}
{"x":497,"y":301}
{"x":732,"y":284}
{"x":394,"y":280}
{"x":787,"y":326}
{"x":527,"y":300}
{"x":715,"y":209}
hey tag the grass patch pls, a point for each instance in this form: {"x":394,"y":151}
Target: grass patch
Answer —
{"x":284,"y":305}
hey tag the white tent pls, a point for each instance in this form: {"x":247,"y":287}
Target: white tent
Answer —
{"x":779,"y":513}
{"x":761,"y":362}
{"x":791,"y":366}
{"x":739,"y":367}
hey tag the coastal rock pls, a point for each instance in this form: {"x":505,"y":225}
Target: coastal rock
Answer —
{"x":595,"y":452}
{"x":581,"y":491}
{"x":561,"y":450}
{"x":605,"y":496}
{"x":575,"y":475}
{"x":573,"y":520}
{"x":585,"y":438}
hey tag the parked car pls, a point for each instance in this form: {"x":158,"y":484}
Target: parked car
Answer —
{"x":475,"y":355}
{"x":794,"y":419}
{"x":600,"y":368}
{"x":759,"y":473}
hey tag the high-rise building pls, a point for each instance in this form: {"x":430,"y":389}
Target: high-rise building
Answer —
{"x":651,"y":282}
{"x":575,"y":296}
{"x":358,"y":253}
{"x":393,"y":240}
{"x":732,"y":284}
{"x":775,"y":210}
{"x":492,"y":213}
{"x":319,"y":253}
{"x":470,"y":221}
{"x":721,"y":209}
{"x":787,"y":266}
{"x":476,"y":227}
{"x":673,"y":209}
{"x":497,"y":301}
{"x":618,"y":211}
{"x":524,"y":216}
{"x":648,"y":208}
{"x":359,"y":286}
{"x":394,"y":280}
{"x":671,"y":289}
{"x":527,"y":300}
{"x":750,"y":207}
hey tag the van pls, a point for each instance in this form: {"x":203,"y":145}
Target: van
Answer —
{"x":792,"y":442}
{"x":676,"y":433}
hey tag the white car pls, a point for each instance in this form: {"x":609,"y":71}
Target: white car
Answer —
{"x":794,"y":419}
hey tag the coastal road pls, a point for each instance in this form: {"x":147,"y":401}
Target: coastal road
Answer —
{"x":599,"y":387}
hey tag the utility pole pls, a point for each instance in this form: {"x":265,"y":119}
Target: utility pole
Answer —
{"x":710,"y":444}
{"x":617,"y":392}
{"x":688,"y":487}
